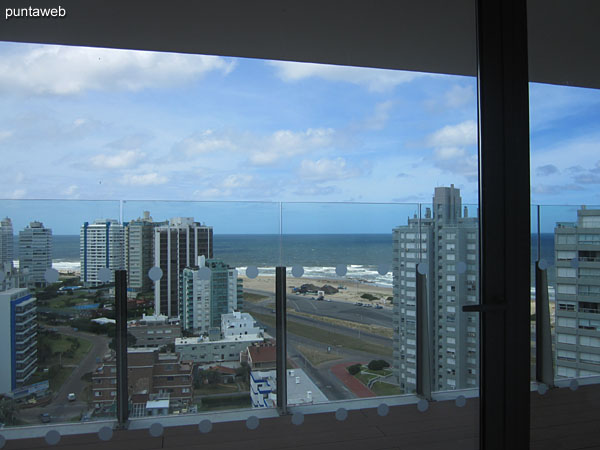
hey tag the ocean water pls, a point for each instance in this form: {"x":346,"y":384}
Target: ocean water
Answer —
{"x":318,"y":254}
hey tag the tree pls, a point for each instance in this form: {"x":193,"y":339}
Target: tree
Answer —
{"x":378,"y":364}
{"x":8,"y":411}
{"x":354,"y":369}
{"x":243,"y":371}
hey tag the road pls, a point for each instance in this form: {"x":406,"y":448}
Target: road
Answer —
{"x":326,"y":381}
{"x":60,"y":409}
{"x":335,"y":309}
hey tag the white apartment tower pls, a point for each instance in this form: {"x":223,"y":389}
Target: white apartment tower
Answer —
{"x":177,"y":245}
{"x":446,"y":241}
{"x":101,"y":244}
{"x":18,"y":341}
{"x":577,"y":261}
{"x":35,"y":253}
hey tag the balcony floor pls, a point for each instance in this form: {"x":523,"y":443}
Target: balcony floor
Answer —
{"x":560,"y":419}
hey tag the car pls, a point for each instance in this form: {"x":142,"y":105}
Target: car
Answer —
{"x":378,"y":307}
{"x":359,"y":304}
{"x":45,"y":417}
{"x":71,"y":397}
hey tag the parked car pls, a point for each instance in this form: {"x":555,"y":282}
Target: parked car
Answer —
{"x":378,"y":307}
{"x":45,"y":417}
{"x":71,"y":397}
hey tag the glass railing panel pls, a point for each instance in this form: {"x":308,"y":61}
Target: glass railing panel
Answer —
{"x":201,"y":280}
{"x":59,"y":314}
{"x":342,"y":321}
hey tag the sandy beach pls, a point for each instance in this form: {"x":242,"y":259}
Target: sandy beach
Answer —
{"x":352,"y":292}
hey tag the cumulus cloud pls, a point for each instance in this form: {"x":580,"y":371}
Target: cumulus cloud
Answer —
{"x":58,"y":70}
{"x":587,"y":178}
{"x":460,"y":135}
{"x":553,"y":189}
{"x":456,"y":160}
{"x":284,"y":144}
{"x":206,"y":141}
{"x":72,"y":191}
{"x":146,"y":179}
{"x":374,"y":80}
{"x":327,"y":170}
{"x":121,"y":160}
{"x":546,"y":170}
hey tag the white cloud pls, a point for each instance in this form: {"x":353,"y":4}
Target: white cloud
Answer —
{"x":327,"y":170}
{"x":459,"y":96}
{"x":206,"y":141}
{"x":72,"y":191}
{"x":459,"y":135}
{"x":61,"y":70}
{"x":375,"y":80}
{"x":146,"y":179}
{"x":284,"y":144}
{"x":121,"y":160}
{"x":16,"y":194}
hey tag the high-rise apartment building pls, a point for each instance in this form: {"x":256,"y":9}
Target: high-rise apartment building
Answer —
{"x":577,"y":261}
{"x":6,"y":244}
{"x":18,"y":342}
{"x":139,"y":252}
{"x":446,"y":242}
{"x":35,"y":253}
{"x":101,"y":245}
{"x":177,"y":246}
{"x":203,"y":302}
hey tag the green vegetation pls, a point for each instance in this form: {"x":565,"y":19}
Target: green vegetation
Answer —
{"x":381,"y":388}
{"x":365,"y":377}
{"x":373,"y":329}
{"x":235,"y":401}
{"x":378,"y":364}
{"x":8,"y":411}
{"x":250,"y":297}
{"x":369,"y":297}
{"x":354,"y":369}
{"x":55,"y":347}
{"x":56,"y":375}
{"x":209,"y":389}
{"x":316,"y":356}
{"x":327,"y":337}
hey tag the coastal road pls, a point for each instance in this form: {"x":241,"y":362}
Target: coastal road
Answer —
{"x":335,"y":309}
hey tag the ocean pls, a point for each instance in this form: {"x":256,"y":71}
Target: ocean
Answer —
{"x":319,"y":254}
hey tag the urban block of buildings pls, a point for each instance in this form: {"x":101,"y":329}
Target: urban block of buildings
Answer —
{"x":446,"y":241}
{"x":156,"y":382}
{"x":154,"y":330}
{"x":221,"y":345}
{"x":577,"y":261}
{"x":300,"y":389}
{"x":18,"y":338}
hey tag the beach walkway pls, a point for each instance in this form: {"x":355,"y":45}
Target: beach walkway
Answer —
{"x":357,"y":388}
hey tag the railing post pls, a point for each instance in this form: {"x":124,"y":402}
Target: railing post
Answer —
{"x":423,"y":341}
{"x":544,"y":364}
{"x":281,"y":337}
{"x":121,"y":346}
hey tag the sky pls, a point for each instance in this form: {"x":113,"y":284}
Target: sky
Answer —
{"x":98,"y":124}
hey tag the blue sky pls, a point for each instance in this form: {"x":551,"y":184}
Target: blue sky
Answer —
{"x":80,"y":123}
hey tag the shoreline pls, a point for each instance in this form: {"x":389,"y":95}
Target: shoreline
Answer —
{"x":351,"y":294}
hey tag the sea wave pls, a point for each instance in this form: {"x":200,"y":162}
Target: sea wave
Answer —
{"x":360,"y":273}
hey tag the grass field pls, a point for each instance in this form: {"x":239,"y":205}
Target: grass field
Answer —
{"x":364,"y":377}
{"x":373,"y":329}
{"x":252,"y":298}
{"x":381,"y":388}
{"x":316,"y":356}
{"x":209,"y":389}
{"x":62,"y":345}
{"x":327,"y":337}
